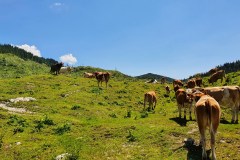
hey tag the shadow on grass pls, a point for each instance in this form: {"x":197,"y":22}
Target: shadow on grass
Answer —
{"x":224,"y":121}
{"x":180,"y":121}
{"x":194,"y":152}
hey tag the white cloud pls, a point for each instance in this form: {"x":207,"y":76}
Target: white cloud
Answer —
{"x":33,"y":49}
{"x":58,"y":7}
{"x":57,"y":4}
{"x":68,"y":58}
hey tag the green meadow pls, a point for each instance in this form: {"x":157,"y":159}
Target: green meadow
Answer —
{"x":72,"y":115}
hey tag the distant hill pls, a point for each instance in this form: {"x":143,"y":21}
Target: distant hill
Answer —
{"x":153,"y":76}
{"x":21,"y":53}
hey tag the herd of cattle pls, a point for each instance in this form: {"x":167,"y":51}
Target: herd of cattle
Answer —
{"x":206,"y":101}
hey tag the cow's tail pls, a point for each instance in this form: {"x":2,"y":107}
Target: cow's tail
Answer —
{"x":209,"y":113}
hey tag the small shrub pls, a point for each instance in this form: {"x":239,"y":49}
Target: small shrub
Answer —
{"x":39,"y":125}
{"x":75,"y":107}
{"x":131,"y":137}
{"x":144,"y":114}
{"x":113,"y":115}
{"x":48,"y":121}
{"x":18,"y":130}
{"x":129,"y":114}
{"x":17,"y":121}
{"x":62,"y":129}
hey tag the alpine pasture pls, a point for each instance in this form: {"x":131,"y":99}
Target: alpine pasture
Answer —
{"x":71,"y":115}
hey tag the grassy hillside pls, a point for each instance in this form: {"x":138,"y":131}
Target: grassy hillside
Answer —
{"x":13,"y":66}
{"x":72,"y":115}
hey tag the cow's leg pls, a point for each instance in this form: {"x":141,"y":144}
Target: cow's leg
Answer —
{"x":203,"y":143}
{"x":213,"y":144}
{"x":155,"y":103}
{"x":233,"y":114}
{"x":190,"y":111}
{"x":179,"y":110}
{"x":106,"y":84}
{"x":185,"y":111}
{"x":237,"y":110}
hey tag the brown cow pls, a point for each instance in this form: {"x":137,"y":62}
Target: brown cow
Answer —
{"x":228,"y":96}
{"x":191,"y":83}
{"x":163,"y":80}
{"x":102,"y":76}
{"x":218,"y":75}
{"x":213,"y":70}
{"x":151,"y":98}
{"x":199,"y":82}
{"x":167,"y":89}
{"x":176,"y":87}
{"x":177,"y":82}
{"x":208,"y":114}
{"x":183,"y":98}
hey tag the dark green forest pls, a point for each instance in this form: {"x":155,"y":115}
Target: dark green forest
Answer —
{"x":7,"y":48}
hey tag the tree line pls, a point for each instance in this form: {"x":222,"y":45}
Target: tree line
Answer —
{"x":228,"y":67}
{"x":7,"y":48}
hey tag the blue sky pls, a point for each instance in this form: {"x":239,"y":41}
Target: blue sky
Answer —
{"x":175,"y":38}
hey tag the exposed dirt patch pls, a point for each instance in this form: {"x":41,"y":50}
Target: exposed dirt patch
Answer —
{"x":5,"y":105}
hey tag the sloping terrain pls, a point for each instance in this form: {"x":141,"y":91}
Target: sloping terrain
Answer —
{"x":72,"y":115}
{"x":13,"y":66}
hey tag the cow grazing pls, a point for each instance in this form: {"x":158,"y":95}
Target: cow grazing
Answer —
{"x":183,"y":99}
{"x":163,"y":80}
{"x":177,"y":82}
{"x":102,"y":76}
{"x":151,"y":98}
{"x":199,"y":82}
{"x":208,"y":114}
{"x":88,"y":75}
{"x":213,"y":70}
{"x":167,"y":88}
{"x":191,"y":83}
{"x":218,"y":75}
{"x":65,"y":70}
{"x":228,"y":96}
{"x":56,"y":68}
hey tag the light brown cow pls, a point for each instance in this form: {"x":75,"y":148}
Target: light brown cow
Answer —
{"x":218,"y":75}
{"x":88,"y":75}
{"x":191,"y":83}
{"x":102,"y":76}
{"x":151,"y":98}
{"x":208,"y":114}
{"x":183,"y":100}
{"x":177,"y":82}
{"x":228,"y":96}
